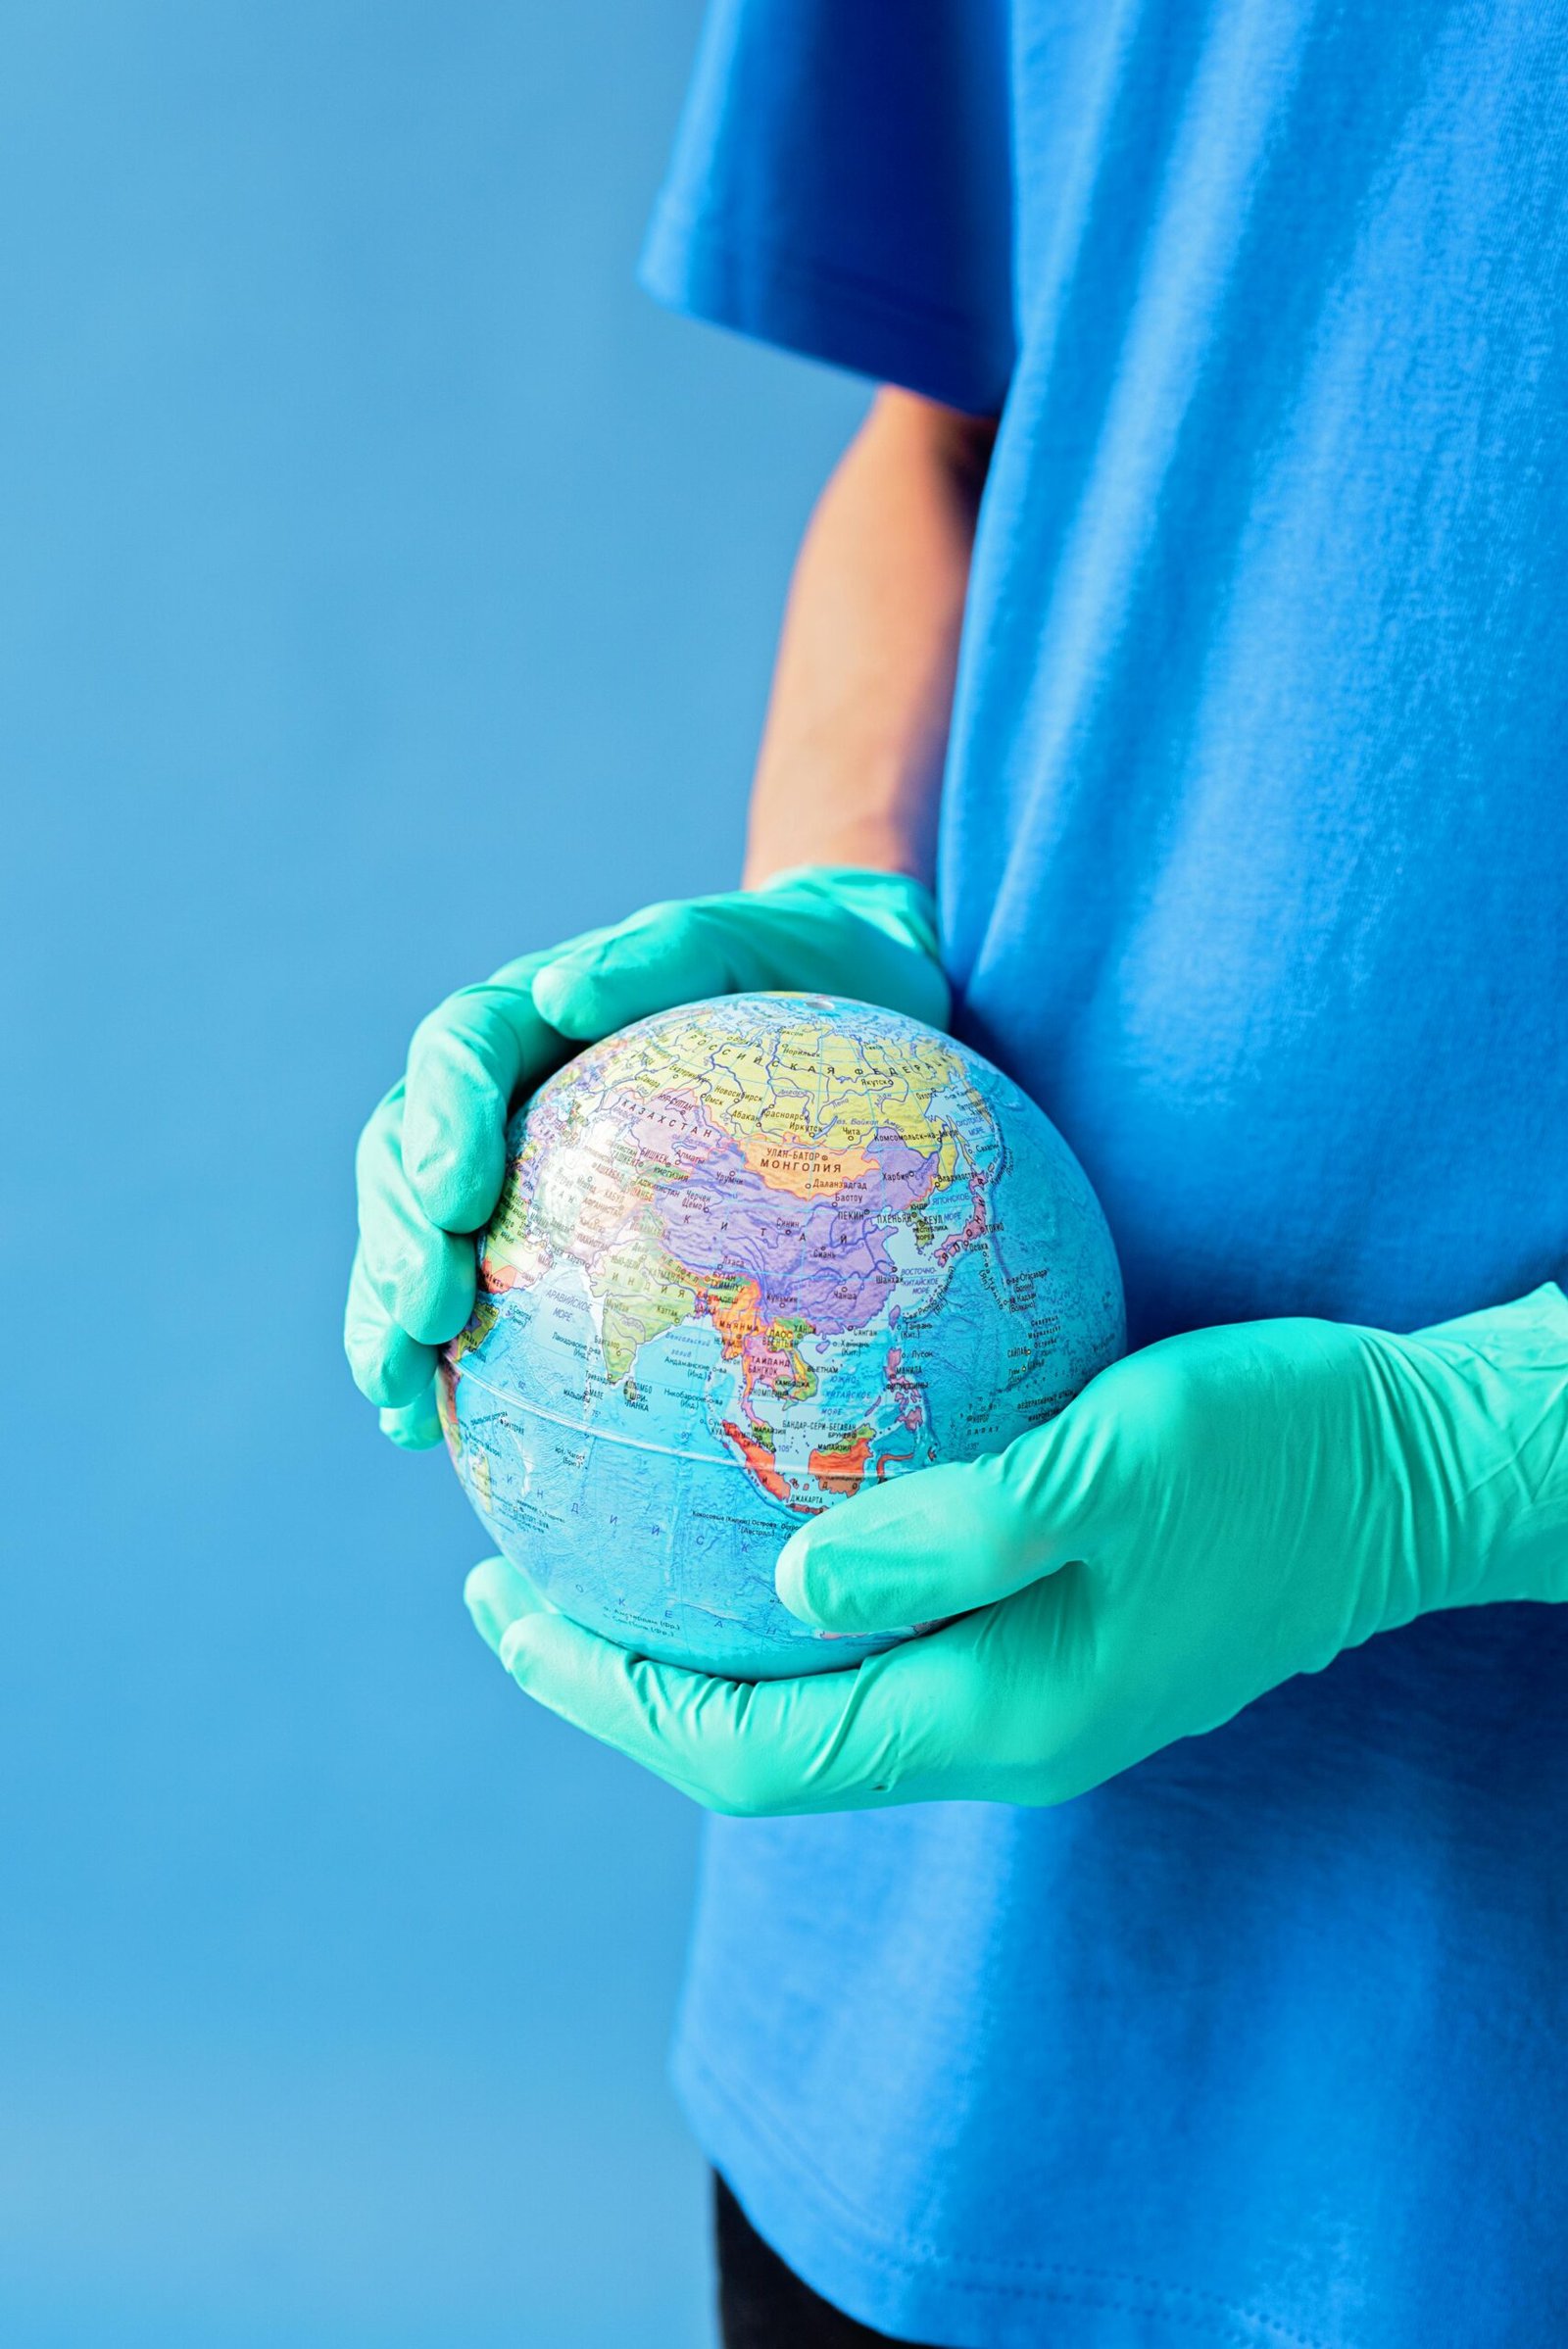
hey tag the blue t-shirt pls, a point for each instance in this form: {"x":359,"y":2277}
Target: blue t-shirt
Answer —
{"x":1254,"y":872}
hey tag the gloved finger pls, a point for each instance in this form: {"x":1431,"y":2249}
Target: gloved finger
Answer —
{"x":389,"y":1367}
{"x":770,"y":1748}
{"x":839,"y":932}
{"x":415,"y":1426}
{"x":496,"y":1595}
{"x":467,"y":1063}
{"x":668,"y":955}
{"x":423,"y":1276}
{"x":963,"y":1535}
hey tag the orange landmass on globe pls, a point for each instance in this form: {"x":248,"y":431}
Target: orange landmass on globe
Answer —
{"x":804,"y":1168}
{"x":840,"y":1467}
{"x":735,"y":1317}
{"x":759,"y":1459}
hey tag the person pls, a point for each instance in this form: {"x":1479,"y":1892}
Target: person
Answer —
{"x":1174,"y":1948}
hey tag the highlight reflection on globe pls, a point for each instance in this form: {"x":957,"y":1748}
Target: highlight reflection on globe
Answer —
{"x":753,"y":1256}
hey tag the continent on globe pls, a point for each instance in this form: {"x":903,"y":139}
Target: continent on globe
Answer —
{"x":751,"y":1257}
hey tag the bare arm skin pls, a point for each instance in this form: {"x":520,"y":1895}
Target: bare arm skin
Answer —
{"x":849,"y":770}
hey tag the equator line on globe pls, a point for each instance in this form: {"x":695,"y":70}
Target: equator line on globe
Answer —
{"x":751,"y":1256}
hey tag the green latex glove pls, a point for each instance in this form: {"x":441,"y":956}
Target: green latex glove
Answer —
{"x":431,"y":1159}
{"x":1209,"y":1517}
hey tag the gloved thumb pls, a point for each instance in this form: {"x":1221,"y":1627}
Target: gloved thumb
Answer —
{"x":960,"y":1536}
{"x":497,"y":1595}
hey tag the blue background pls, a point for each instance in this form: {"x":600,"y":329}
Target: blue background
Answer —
{"x":385,"y":586}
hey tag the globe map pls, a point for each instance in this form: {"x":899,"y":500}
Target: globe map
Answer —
{"x":751,"y":1257}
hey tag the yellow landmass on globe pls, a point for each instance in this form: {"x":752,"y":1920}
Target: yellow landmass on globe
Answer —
{"x":800,"y":1082}
{"x":481,"y":1321}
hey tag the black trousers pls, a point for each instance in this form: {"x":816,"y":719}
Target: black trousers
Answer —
{"x":763,"y":2305}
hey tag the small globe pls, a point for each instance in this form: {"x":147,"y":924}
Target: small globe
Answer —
{"x":754,"y":1257}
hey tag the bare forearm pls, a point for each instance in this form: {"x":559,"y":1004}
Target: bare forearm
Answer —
{"x":849,"y":770}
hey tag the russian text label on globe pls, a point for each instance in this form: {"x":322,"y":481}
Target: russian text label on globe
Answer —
{"x":753,"y":1257}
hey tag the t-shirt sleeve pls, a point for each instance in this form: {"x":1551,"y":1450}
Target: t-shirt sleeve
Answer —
{"x":842,"y":185}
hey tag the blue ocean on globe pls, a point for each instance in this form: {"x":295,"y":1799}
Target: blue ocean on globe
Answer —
{"x":751,"y":1257}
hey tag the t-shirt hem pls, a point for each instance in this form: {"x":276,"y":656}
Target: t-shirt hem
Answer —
{"x":822,"y":312}
{"x":916,"y":2293}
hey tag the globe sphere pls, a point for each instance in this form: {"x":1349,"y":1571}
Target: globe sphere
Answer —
{"x":754,"y":1257}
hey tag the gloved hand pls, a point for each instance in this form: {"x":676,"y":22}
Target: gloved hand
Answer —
{"x":1207,"y":1518}
{"x":431,"y":1159}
